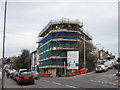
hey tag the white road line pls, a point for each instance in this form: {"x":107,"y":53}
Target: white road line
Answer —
{"x":114,"y":74}
{"x":70,"y":86}
{"x":57,"y":83}
{"x":103,"y":82}
{"x":64,"y":85}
{"x":24,"y":86}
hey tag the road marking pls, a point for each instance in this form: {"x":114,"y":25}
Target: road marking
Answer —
{"x":24,"y":86}
{"x":70,"y":86}
{"x":114,"y":74}
{"x":57,"y":83}
{"x":103,"y":82}
{"x":64,"y":85}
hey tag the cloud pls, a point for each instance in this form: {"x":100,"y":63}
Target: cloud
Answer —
{"x":25,"y":20}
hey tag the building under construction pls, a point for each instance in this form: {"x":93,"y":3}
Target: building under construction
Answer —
{"x":58,"y":37}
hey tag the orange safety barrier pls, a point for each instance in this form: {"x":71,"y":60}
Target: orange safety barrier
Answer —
{"x":75,"y":72}
{"x":45,"y":74}
{"x":71,"y":73}
{"x":84,"y":70}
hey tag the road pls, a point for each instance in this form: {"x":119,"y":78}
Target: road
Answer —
{"x":89,"y":80}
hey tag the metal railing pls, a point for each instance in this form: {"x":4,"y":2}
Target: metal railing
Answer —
{"x":86,"y":33}
{"x":65,"y":19}
{"x":45,"y":27}
{"x":60,"y":20}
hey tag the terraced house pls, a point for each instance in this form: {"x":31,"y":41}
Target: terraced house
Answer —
{"x":58,"y":37}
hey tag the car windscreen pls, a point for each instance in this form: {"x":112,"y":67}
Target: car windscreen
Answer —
{"x":26,"y":73}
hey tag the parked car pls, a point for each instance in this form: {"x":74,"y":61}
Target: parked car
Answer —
{"x":108,"y":63}
{"x":117,"y":65}
{"x":25,"y":76}
{"x":118,"y":72}
{"x":36,"y":76}
{"x":14,"y":76}
{"x":22,"y":70}
{"x":100,"y":68}
{"x":113,"y":62}
{"x":11,"y":73}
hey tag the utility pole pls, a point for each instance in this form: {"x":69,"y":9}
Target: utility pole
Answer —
{"x":65,"y":68}
{"x":2,"y":82}
{"x":98,"y":53}
{"x":84,"y":54}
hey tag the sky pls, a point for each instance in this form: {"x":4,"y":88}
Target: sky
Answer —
{"x":25,"y":19}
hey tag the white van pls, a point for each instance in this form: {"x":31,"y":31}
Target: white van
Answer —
{"x":108,"y":63}
{"x":22,"y":70}
{"x":99,"y":68}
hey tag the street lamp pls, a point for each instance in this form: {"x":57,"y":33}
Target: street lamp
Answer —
{"x":98,"y":50}
{"x":2,"y":81}
{"x":84,"y":54}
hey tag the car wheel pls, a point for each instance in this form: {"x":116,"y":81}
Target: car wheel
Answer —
{"x":96,"y":71}
{"x":17,"y":81}
{"x":20,"y":83}
{"x":33,"y":82}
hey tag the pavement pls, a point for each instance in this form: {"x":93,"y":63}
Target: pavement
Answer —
{"x":9,"y":83}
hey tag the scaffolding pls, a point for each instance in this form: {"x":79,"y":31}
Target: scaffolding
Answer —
{"x":58,"y":37}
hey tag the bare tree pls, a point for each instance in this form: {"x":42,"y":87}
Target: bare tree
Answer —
{"x":91,"y":57}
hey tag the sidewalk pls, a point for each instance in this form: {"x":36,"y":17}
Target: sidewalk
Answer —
{"x":9,"y":83}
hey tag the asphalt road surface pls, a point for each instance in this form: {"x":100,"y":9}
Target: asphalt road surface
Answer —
{"x":89,"y":80}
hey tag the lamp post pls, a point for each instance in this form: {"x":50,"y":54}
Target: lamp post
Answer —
{"x":84,"y":54}
{"x":98,"y":54}
{"x":2,"y":81}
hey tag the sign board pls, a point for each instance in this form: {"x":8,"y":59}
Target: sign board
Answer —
{"x":54,"y":48}
{"x":72,"y":59}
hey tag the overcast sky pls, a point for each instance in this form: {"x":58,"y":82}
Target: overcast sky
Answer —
{"x":26,"y":19}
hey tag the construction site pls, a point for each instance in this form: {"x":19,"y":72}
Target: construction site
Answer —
{"x":56,"y":39}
